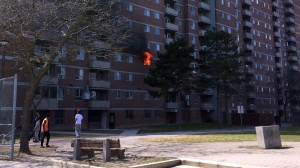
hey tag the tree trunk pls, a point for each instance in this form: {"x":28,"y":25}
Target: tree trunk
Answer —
{"x":226,"y":109}
{"x":179,"y":111}
{"x":24,"y":143}
{"x":219,"y":113}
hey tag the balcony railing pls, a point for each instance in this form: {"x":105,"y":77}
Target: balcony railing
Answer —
{"x":169,"y":40}
{"x":275,"y":14}
{"x":292,"y":58}
{"x":48,"y":79}
{"x":171,"y":26}
{"x":99,"y":104}
{"x":248,"y":35}
{"x":96,"y":64}
{"x":206,"y":106}
{"x":99,"y":84}
{"x":247,"y":2}
{"x":247,"y":12}
{"x":288,"y":2}
{"x":247,"y":24}
{"x":275,"y":4}
{"x":204,"y":19}
{"x":46,"y":103}
{"x":171,"y":105}
{"x":204,"y":5}
{"x":171,"y":11}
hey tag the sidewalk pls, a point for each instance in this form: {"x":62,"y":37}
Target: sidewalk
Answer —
{"x":239,"y":153}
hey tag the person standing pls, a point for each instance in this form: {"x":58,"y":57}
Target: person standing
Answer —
{"x":78,"y":121}
{"x":37,"y":128}
{"x":45,"y":131}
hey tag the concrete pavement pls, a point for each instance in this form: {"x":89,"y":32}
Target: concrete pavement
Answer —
{"x":236,"y":153}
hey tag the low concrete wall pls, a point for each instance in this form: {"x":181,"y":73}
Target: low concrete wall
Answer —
{"x":268,"y":137}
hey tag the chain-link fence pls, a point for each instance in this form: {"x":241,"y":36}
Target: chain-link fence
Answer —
{"x":8,"y":92}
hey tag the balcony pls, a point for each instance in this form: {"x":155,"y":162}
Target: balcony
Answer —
{"x":46,"y":103}
{"x":276,"y":14}
{"x":275,"y":5}
{"x":169,"y":40}
{"x":171,"y":26}
{"x":276,"y":24}
{"x":249,"y":47}
{"x":252,"y":95}
{"x":204,"y":19}
{"x":202,"y":32}
{"x":292,"y":58}
{"x":248,"y":59}
{"x":277,"y":34}
{"x":248,"y":36}
{"x":289,"y":20}
{"x":99,"y":104}
{"x":251,"y":71}
{"x":171,"y":11}
{"x":99,"y":84}
{"x":277,"y":54}
{"x":288,"y":2}
{"x":206,"y":106}
{"x":278,"y":65}
{"x":277,"y":44}
{"x":289,"y":11}
{"x":247,"y":24}
{"x":246,"y":2}
{"x":208,"y":92}
{"x":291,"y":39}
{"x":290,"y":29}
{"x":291,"y":48}
{"x":49,"y":79}
{"x":101,"y":45}
{"x":204,"y":6}
{"x":172,"y":105}
{"x":294,"y":67}
{"x":96,"y":64}
{"x":247,"y":13}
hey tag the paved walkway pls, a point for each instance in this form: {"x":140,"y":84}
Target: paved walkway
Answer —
{"x":224,"y":153}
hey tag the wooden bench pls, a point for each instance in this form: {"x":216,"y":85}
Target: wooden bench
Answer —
{"x":85,"y":146}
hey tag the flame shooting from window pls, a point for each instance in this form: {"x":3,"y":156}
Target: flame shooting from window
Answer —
{"x":147,"y":59}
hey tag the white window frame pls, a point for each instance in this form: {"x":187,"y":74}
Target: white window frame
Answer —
{"x":79,"y":74}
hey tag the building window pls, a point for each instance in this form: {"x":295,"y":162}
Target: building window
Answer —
{"x":61,"y":72}
{"x":117,"y":94}
{"x":157,"y":1}
{"x":157,"y":31}
{"x":129,"y":95}
{"x":63,"y":51}
{"x":59,"y":117}
{"x":156,"y":15}
{"x":80,"y":54}
{"x":129,"y":77}
{"x":118,"y":57}
{"x":129,"y":114}
{"x":146,"y":96}
{"x":228,"y":17}
{"x":79,"y":74}
{"x":78,"y":94}
{"x":146,"y":12}
{"x":61,"y":93}
{"x":148,"y":44}
{"x":193,"y":26}
{"x":157,"y":47}
{"x":158,"y":114}
{"x":129,"y":7}
{"x":193,"y":40}
{"x":130,"y":59}
{"x":147,"y":114}
{"x":147,"y":28}
{"x":117,"y":76}
{"x":193,"y":10}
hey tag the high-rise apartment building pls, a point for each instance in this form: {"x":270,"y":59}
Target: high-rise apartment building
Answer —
{"x":112,"y":94}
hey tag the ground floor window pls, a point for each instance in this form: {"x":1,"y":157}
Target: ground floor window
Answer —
{"x":60,"y":117}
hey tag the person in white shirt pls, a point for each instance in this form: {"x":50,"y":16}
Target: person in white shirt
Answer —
{"x":78,"y":121}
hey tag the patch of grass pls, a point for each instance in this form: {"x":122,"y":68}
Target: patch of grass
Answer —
{"x":220,"y":137}
{"x":176,"y":127}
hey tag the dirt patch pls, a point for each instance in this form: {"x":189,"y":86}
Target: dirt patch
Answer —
{"x":42,"y":154}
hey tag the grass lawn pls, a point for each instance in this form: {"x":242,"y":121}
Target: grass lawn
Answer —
{"x":287,"y":135}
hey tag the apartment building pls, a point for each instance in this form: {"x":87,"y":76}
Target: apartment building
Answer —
{"x":111,"y":92}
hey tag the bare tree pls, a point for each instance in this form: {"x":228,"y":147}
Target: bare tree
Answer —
{"x":56,"y":23}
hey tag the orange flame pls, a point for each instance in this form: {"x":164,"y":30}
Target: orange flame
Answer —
{"x":147,"y":59}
